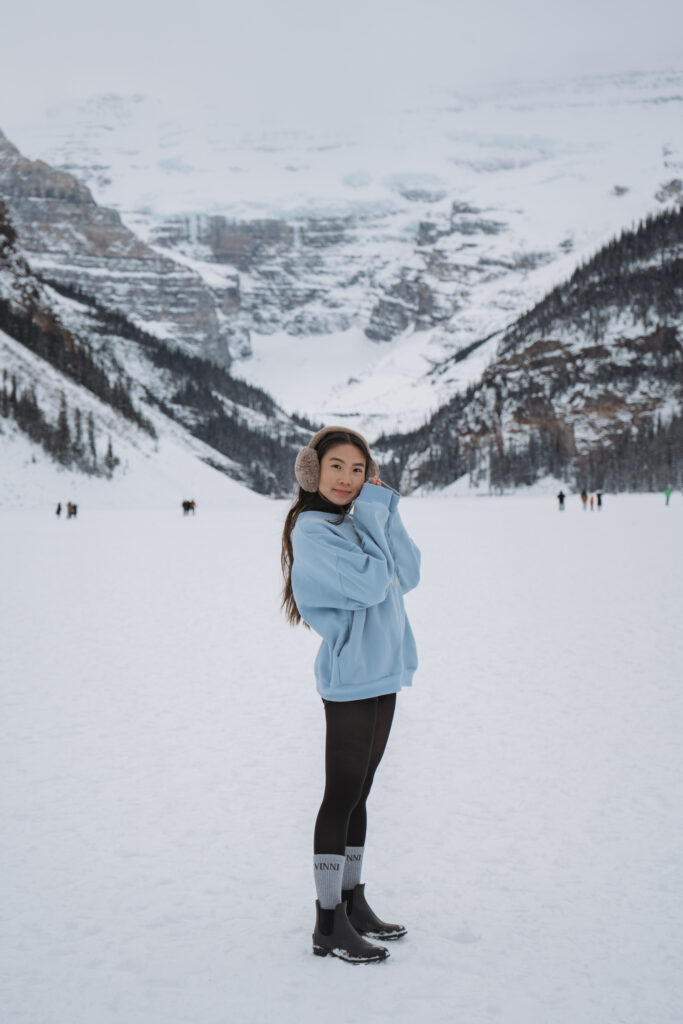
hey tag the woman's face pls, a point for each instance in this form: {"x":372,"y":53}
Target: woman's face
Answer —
{"x":342,"y":474}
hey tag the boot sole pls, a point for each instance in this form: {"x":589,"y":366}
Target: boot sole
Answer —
{"x":348,"y":958}
{"x":382,"y":936}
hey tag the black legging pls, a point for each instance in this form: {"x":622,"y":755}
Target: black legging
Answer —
{"x":357,"y":734}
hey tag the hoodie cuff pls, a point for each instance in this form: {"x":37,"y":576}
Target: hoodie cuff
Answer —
{"x":394,"y":496}
{"x":381,"y":495}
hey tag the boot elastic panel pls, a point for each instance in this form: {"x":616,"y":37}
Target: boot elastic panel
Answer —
{"x":365,"y":920}
{"x":343,"y":941}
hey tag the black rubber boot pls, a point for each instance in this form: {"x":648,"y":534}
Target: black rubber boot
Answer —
{"x":334,"y":935}
{"x":365,"y":920}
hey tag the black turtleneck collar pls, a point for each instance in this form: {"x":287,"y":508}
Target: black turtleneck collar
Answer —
{"x":320,"y":504}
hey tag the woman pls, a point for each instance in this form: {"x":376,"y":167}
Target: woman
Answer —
{"x":347,"y":561}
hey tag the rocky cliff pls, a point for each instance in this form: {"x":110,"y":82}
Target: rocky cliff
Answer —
{"x":70,"y":238}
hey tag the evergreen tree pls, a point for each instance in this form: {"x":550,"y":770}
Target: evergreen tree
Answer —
{"x":110,"y":460}
{"x":62,"y":437}
{"x":92,"y":446}
{"x":78,"y":433}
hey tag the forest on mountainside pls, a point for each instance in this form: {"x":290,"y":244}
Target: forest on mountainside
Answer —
{"x":641,"y":273}
{"x":520,"y":421}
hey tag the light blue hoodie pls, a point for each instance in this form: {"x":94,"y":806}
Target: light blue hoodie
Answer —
{"x":348,"y":582}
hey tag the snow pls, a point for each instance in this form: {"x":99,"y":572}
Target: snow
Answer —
{"x":162,"y":757}
{"x":140,"y":153}
{"x":344,"y":377}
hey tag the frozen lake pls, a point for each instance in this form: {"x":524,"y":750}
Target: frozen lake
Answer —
{"x":162,"y":758}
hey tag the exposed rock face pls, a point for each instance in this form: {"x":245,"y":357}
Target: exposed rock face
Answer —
{"x":243,"y":245}
{"x":586,"y":392}
{"x":70,"y":239}
{"x":409,"y":301}
{"x":289,"y":272}
{"x":319,"y":275}
{"x":445,"y":272}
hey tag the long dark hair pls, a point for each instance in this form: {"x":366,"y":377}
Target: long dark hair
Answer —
{"x":304,"y":501}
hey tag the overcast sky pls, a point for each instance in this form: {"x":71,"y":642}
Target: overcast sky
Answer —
{"x":282,"y":58}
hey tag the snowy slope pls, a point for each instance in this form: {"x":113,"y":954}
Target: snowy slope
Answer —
{"x":162,"y":767}
{"x":154,"y":473}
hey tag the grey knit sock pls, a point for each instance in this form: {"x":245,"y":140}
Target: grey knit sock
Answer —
{"x":328,"y":869}
{"x":353,"y":866}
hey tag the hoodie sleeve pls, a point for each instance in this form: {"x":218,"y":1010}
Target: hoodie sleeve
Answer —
{"x":406,"y":553}
{"x":331,"y":570}
{"x":403,"y":554}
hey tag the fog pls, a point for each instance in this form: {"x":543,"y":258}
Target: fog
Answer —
{"x":315,"y":62}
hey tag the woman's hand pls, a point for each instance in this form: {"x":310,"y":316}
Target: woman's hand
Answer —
{"x":375,"y":480}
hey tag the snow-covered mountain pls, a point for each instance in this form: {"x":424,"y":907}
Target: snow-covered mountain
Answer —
{"x":413,"y":290}
{"x":363,"y":257}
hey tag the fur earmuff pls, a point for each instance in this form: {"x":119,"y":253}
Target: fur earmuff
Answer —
{"x":307,"y":469}
{"x":307,"y":465}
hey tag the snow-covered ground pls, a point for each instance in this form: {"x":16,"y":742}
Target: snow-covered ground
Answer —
{"x":162,"y":756}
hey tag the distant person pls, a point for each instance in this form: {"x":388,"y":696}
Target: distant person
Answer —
{"x":560,"y":499}
{"x":667,"y":492}
{"x":347,"y":561}
{"x":591,"y":502}
{"x":599,"y":497}
{"x":584,"y":499}
{"x":59,"y":508}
